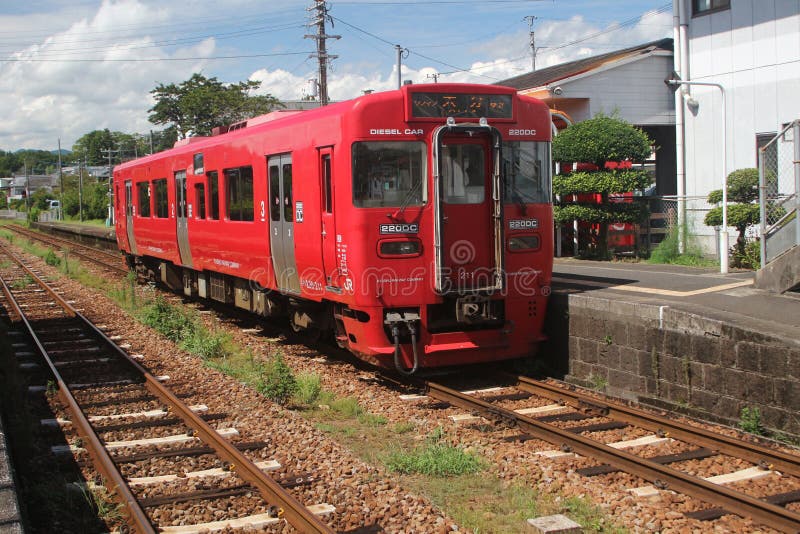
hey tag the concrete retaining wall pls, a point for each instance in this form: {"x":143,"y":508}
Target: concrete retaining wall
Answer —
{"x":677,"y":360}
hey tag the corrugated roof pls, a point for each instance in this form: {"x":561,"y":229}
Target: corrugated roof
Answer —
{"x":555,"y":73}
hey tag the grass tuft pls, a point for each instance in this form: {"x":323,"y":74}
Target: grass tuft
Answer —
{"x":277,"y":382}
{"x":309,"y":388}
{"x":436,"y":458}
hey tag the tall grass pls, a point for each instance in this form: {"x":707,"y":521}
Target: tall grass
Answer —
{"x":668,"y":251}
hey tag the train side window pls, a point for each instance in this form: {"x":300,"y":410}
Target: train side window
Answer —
{"x":128,"y":199}
{"x":180,"y":193}
{"x":143,"y":192}
{"x":213,"y":196}
{"x":288,"y":207}
{"x":326,"y":184}
{"x":274,"y":193}
{"x":239,"y":184}
{"x":200,"y":200}
{"x":198,"y":163}
{"x":161,"y":197}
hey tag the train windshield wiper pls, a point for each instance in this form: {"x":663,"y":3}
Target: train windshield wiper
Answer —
{"x":406,"y":200}
{"x":519,"y":198}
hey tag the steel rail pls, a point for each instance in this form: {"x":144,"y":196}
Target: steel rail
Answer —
{"x":733,"y":501}
{"x":33,"y":235}
{"x":101,"y":459}
{"x":297,"y":514}
{"x":754,"y":453}
{"x":38,"y":234}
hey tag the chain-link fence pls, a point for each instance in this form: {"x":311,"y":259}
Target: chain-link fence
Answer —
{"x":779,"y":181}
{"x":662,"y":225}
{"x":659,"y":226}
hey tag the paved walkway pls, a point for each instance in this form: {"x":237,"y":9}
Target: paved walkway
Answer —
{"x":706,"y":292}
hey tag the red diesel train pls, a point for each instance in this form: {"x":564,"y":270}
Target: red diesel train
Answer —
{"x":414,"y":225}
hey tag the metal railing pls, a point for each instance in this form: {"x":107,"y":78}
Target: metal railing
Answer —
{"x":778,"y":186}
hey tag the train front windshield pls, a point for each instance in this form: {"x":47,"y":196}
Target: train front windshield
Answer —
{"x":389,"y":173}
{"x":526,"y":169}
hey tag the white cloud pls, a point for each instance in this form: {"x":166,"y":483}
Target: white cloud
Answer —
{"x":511,"y":58}
{"x":41,"y":101}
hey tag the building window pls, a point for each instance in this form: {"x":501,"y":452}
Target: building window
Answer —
{"x":701,"y":7}
{"x":162,"y":201}
{"x":213,"y":196}
{"x":144,"y":198}
{"x":240,"y":193}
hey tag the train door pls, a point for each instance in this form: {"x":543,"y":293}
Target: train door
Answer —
{"x":466,"y":213}
{"x":328,"y":220}
{"x":281,"y":223}
{"x":129,"y":211}
{"x":181,"y":219}
{"x":469,"y":218}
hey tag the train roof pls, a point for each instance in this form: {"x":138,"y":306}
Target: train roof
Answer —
{"x":254,"y":124}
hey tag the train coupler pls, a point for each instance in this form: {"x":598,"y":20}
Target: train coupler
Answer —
{"x":408,"y":319}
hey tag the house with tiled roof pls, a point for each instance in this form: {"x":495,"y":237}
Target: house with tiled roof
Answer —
{"x":628,"y":83}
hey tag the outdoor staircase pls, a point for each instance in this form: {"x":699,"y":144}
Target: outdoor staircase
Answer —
{"x":782,"y":273}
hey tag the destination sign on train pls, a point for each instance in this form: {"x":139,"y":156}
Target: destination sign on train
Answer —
{"x":460,"y":105}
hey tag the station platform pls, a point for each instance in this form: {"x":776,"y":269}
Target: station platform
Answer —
{"x":103,"y":235}
{"x":727,"y":297}
{"x":681,"y":339}
{"x":10,"y":519}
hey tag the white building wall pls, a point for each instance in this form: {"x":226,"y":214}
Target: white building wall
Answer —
{"x":628,"y":90}
{"x":753,"y":50}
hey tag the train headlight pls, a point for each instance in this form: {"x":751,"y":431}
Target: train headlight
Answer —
{"x":523,"y":243}
{"x":399,"y":248}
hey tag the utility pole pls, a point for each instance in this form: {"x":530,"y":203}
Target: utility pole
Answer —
{"x":80,"y":190}
{"x":529,"y":19}
{"x":321,"y":54}
{"x":400,"y":55}
{"x":435,"y":77}
{"x":110,"y":219}
{"x":61,"y":183}
{"x":27,"y":187}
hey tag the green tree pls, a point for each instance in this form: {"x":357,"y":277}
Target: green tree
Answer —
{"x":39,"y":199}
{"x":197,"y":105}
{"x":37,"y":161}
{"x":91,"y":146}
{"x":743,"y":210}
{"x":598,"y":141}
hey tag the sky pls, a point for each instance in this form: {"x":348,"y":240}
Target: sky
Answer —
{"x":68,"y":67}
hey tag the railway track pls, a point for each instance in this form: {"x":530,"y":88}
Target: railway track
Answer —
{"x":108,"y":260}
{"x":140,"y":436}
{"x":575,"y":423}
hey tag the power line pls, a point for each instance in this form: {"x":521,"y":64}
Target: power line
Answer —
{"x":170,"y":42}
{"x":145,"y":60}
{"x":458,"y":69}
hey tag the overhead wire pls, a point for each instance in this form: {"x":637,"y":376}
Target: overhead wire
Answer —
{"x":146,"y":60}
{"x":169,"y":42}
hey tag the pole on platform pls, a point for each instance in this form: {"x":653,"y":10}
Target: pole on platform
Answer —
{"x":762,"y":205}
{"x":723,"y":236}
{"x":796,"y":136}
